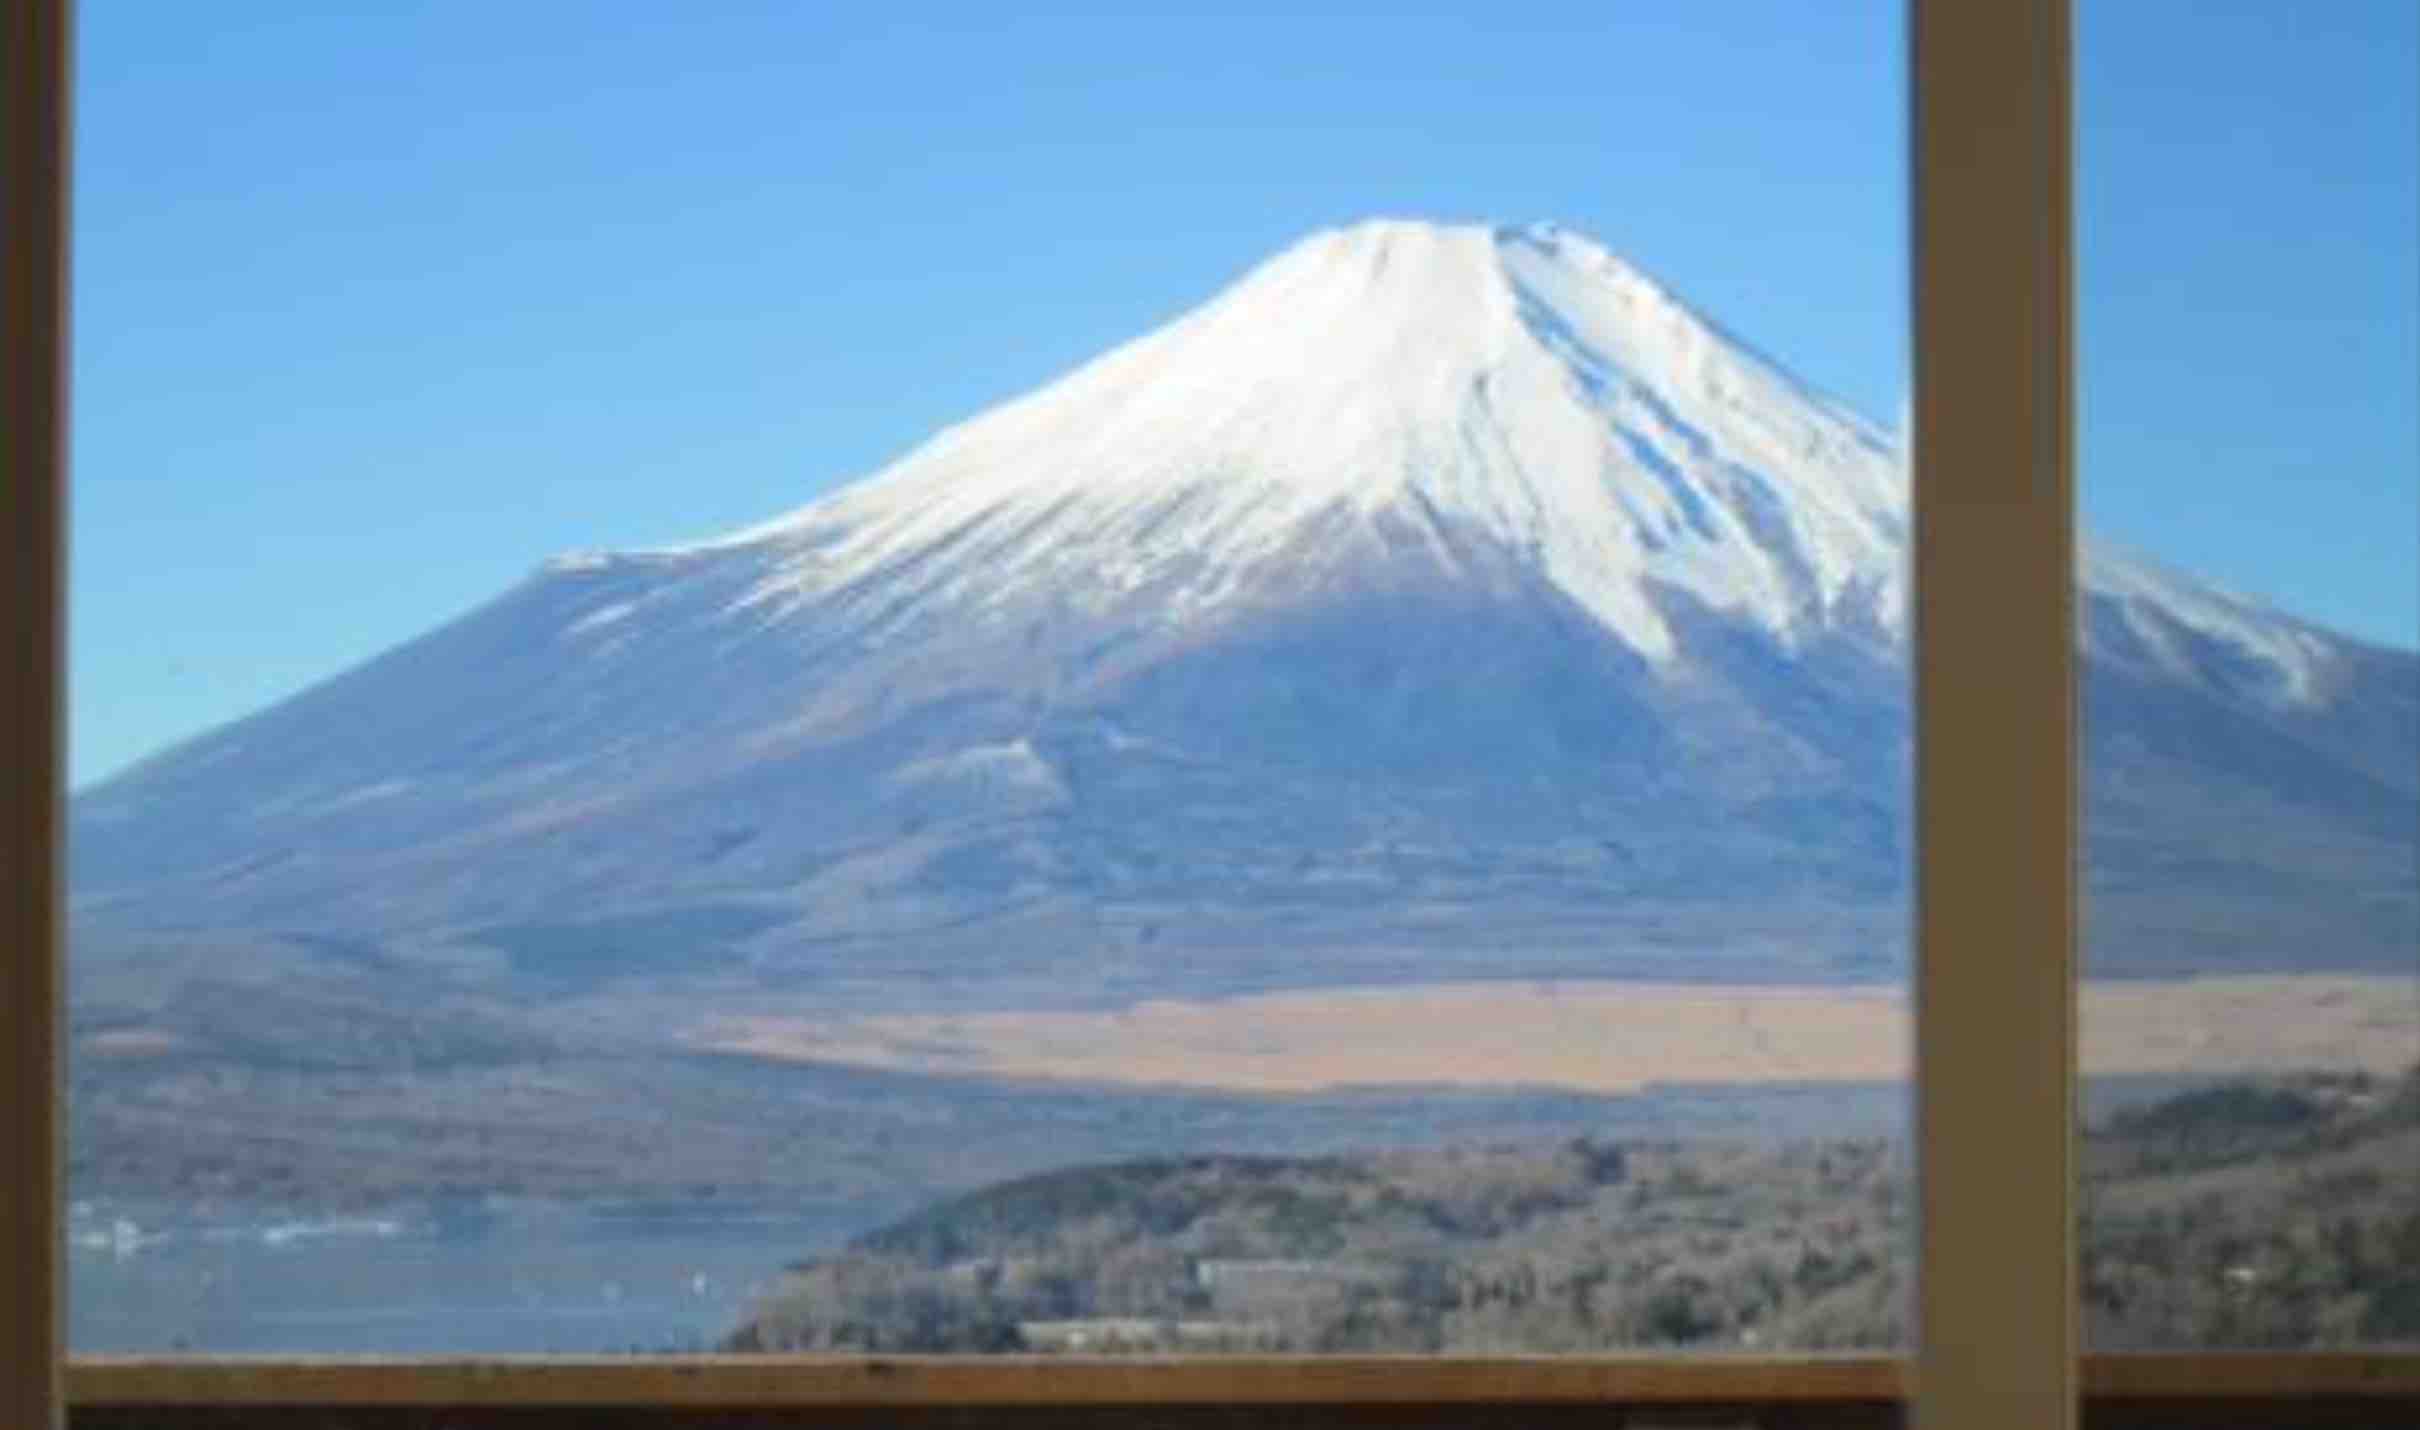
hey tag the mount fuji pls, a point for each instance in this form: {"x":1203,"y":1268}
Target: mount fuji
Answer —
{"x":1436,"y":601}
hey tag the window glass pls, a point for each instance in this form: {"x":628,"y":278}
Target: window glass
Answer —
{"x":985,"y":679}
{"x":2250,"y":479}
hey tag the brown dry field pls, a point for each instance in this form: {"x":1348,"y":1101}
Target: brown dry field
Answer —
{"x":1592,"y":1036}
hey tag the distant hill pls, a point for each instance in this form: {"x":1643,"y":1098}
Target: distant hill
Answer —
{"x":2276,"y":1213}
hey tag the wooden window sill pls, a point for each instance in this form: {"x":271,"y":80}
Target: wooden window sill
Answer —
{"x":909,"y":1382}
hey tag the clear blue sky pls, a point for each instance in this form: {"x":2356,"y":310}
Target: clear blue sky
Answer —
{"x":378,"y":309}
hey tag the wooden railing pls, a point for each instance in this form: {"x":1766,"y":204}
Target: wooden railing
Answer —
{"x":2379,"y":1389}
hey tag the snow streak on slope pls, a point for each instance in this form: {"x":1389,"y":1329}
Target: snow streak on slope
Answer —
{"x":1458,"y":394}
{"x":2159,"y":606}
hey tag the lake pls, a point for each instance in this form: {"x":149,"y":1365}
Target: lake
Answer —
{"x":527,"y":1279}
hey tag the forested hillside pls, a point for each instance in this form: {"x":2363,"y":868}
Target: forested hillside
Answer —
{"x":2278,"y":1213}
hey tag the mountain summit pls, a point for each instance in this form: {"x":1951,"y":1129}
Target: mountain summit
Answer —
{"x":1436,"y":600}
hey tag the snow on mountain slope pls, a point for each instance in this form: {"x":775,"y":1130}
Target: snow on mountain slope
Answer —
{"x":1401,"y":382}
{"x":1385,"y":384}
{"x":2292,"y":659}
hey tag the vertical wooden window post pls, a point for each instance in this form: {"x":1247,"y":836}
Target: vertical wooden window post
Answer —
{"x":33,"y":420}
{"x":1995,"y":723}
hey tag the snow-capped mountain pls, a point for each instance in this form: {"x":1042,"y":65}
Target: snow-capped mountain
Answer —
{"x":1456,"y":395}
{"x":1442,"y":595}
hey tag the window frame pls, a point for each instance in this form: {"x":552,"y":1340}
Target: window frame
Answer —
{"x":1994,"y":693}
